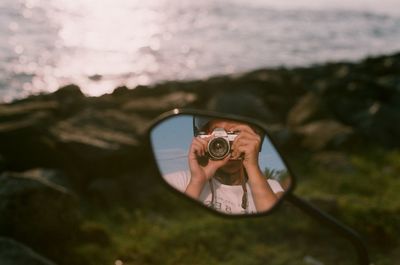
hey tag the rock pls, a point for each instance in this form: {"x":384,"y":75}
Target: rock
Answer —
{"x":95,"y":133}
{"x":14,"y":253}
{"x":105,"y":191}
{"x":72,"y":100}
{"x":343,"y":71}
{"x":99,"y":143}
{"x":26,"y":125}
{"x":142,"y":184}
{"x":334,"y":161}
{"x":25,"y":142}
{"x":321,"y":134}
{"x":391,"y":82}
{"x":159,"y":104}
{"x":2,"y":163}
{"x":280,"y":133}
{"x":121,"y":91}
{"x":68,"y":92}
{"x":35,"y":203}
{"x":95,"y":77}
{"x":14,"y":112}
{"x":384,"y":127}
{"x":309,"y":107}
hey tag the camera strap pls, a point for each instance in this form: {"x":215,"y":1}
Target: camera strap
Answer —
{"x":212,"y":193}
{"x":244,"y":197}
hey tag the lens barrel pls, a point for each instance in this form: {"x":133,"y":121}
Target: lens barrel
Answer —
{"x":218,"y":148}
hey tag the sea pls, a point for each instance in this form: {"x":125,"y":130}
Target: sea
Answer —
{"x":102,"y":44}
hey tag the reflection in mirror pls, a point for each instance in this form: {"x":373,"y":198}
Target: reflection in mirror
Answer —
{"x":229,"y":166}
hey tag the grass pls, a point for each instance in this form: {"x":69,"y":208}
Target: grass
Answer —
{"x":366,"y":196}
{"x":359,"y":188}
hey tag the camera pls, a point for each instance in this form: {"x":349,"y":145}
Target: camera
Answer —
{"x":220,"y":143}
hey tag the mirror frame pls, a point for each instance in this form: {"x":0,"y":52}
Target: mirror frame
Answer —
{"x":178,"y":112}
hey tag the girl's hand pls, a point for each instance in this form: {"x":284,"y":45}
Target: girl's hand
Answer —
{"x":246,"y":146}
{"x":200,"y":172}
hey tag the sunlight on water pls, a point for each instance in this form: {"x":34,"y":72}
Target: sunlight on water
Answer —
{"x":100,"y":45}
{"x":102,"y":42}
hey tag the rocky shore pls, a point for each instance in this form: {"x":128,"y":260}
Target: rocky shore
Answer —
{"x":59,"y":150}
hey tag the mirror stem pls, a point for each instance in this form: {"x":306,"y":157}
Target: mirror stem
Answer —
{"x":335,"y":225}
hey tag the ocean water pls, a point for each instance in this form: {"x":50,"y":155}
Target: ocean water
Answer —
{"x":102,"y":44}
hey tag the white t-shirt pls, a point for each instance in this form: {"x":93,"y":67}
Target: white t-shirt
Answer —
{"x":228,"y":198}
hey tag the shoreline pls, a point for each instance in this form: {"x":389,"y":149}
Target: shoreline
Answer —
{"x":155,"y":84}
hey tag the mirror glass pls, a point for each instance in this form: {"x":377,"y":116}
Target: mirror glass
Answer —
{"x":230,"y":166}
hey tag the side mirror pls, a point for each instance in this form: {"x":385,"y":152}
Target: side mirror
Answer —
{"x":210,"y":159}
{"x":228,"y":164}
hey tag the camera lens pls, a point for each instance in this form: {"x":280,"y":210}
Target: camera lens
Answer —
{"x":218,"y":148}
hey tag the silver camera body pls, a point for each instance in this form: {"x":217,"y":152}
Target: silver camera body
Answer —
{"x":220,"y":143}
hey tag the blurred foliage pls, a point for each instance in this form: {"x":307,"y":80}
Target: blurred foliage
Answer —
{"x":359,"y":188}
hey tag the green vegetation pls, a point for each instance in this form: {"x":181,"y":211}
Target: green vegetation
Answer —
{"x":364,"y":194}
{"x":360,"y":188}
